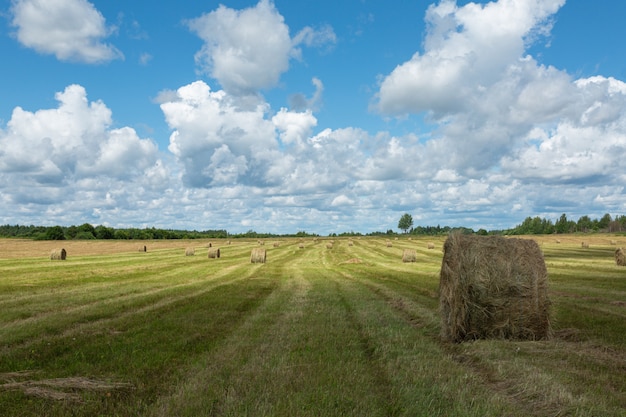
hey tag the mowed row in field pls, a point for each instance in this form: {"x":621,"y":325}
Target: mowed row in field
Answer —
{"x":349,"y":331}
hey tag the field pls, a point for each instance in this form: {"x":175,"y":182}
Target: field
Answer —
{"x":347,"y":331}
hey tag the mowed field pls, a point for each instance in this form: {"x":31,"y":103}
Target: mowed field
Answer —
{"x":347,"y":331}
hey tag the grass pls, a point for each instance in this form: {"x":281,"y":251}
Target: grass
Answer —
{"x":347,"y":331}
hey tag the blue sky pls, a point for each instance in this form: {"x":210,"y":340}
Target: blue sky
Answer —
{"x":279,"y":116}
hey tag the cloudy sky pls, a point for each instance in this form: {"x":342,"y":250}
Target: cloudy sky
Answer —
{"x":280,"y":116}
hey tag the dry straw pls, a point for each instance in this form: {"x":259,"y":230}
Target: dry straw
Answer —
{"x":190,"y":252}
{"x":329,"y":245}
{"x":431,"y":246}
{"x":301,"y":245}
{"x":258,"y":256}
{"x":409,"y":255}
{"x":276,"y":244}
{"x":214,"y":253}
{"x":492,"y":287}
{"x":143,"y":248}
{"x":58,"y":254}
{"x":620,"y":257}
{"x":388,"y":243}
{"x":584,"y":245}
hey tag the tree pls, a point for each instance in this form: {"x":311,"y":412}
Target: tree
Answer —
{"x":55,"y":233}
{"x":406,"y":222}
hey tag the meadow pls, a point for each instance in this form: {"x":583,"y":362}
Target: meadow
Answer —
{"x":347,"y":331}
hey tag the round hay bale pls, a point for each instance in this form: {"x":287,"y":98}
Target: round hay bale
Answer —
{"x":58,"y":254}
{"x":190,"y":252}
{"x":329,"y":245}
{"x":350,"y":243}
{"x":584,"y":245}
{"x":613,"y":242}
{"x":143,"y":248}
{"x":301,"y":245}
{"x":258,"y":256}
{"x":620,"y":257}
{"x":558,"y":241}
{"x":409,"y":255}
{"x":388,"y":243}
{"x":214,"y":253}
{"x":431,"y":246}
{"x":276,"y":244}
{"x":492,"y":287}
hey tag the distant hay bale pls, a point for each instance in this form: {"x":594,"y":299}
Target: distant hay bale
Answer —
{"x":388,"y":243}
{"x":350,"y":243}
{"x":258,"y":256}
{"x":396,"y":239}
{"x":301,"y":245}
{"x":558,"y":241}
{"x":143,"y":248}
{"x":584,"y":245}
{"x":214,"y":253}
{"x":210,"y":245}
{"x":260,"y":242}
{"x":276,"y":244}
{"x":492,"y":287}
{"x":620,"y":257}
{"x":409,"y":255}
{"x":58,"y":254}
{"x":431,"y":246}
{"x":613,"y":242}
{"x":190,"y":252}
{"x":329,"y":245}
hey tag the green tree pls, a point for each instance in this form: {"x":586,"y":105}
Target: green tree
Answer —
{"x":55,"y":233}
{"x":406,"y":222}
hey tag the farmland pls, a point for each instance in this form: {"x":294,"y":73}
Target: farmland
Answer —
{"x":347,"y":331}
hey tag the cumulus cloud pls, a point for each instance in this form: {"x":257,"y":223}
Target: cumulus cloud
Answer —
{"x":248,"y":50}
{"x":72,"y":142}
{"x":72,"y":30}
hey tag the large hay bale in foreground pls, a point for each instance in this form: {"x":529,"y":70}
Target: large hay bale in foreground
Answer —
{"x":620,"y":257}
{"x":258,"y":256}
{"x":214,"y":253}
{"x":492,"y":287}
{"x":58,"y":254}
{"x":409,"y":255}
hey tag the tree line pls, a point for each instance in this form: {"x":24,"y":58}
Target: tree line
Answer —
{"x":530,"y":226}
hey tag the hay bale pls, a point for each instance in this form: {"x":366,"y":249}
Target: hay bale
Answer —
{"x":329,"y":245}
{"x":350,"y":243}
{"x":214,"y":253}
{"x":388,"y":243}
{"x":558,"y":241}
{"x":620,"y":257}
{"x":584,"y":245}
{"x":301,"y":245}
{"x":58,"y":254}
{"x":492,"y":287}
{"x":409,"y":255}
{"x":258,"y":256}
{"x":143,"y":248}
{"x":276,"y":244}
{"x":431,"y":246}
{"x":190,"y":252}
{"x":613,"y":242}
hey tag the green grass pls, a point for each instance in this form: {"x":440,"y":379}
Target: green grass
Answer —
{"x":350,"y":331}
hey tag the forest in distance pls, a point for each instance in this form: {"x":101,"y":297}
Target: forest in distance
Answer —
{"x":530,"y":226}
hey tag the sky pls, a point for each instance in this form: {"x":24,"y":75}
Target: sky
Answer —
{"x":317,"y":116}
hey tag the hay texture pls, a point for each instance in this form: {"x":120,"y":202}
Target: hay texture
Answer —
{"x":258,"y":256}
{"x":214,"y":253}
{"x":58,"y":254}
{"x":584,"y":245}
{"x":143,"y":248}
{"x":190,"y":252}
{"x":431,"y":246}
{"x":620,"y":257}
{"x":492,"y":287}
{"x":409,"y":255}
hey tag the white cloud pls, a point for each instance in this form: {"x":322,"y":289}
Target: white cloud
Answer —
{"x":248,"y":50}
{"x":244,"y":50}
{"x":72,"y":30}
